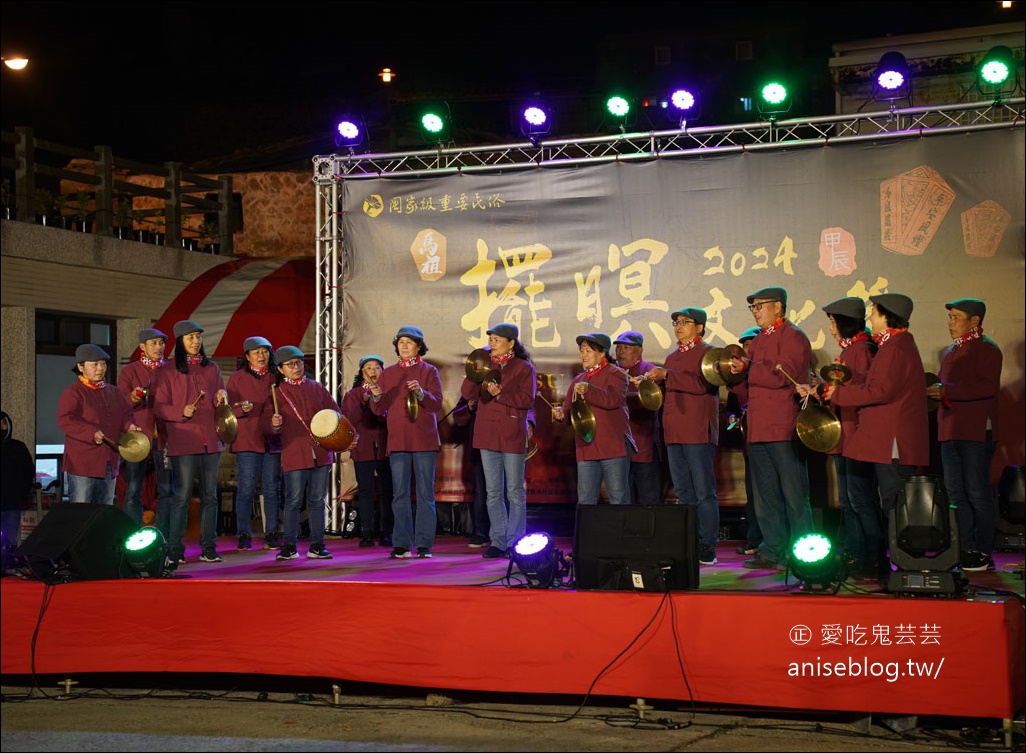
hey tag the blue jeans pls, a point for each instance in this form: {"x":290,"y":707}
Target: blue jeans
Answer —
{"x":966,"y":468}
{"x":692,"y":470}
{"x":614,"y":471}
{"x":313,"y":484}
{"x":645,"y":483}
{"x":249,"y":466}
{"x":174,"y":520}
{"x":781,"y":480}
{"x":504,"y":480}
{"x":408,"y":532}
{"x":370,"y":524}
{"x":479,"y":506}
{"x":88,"y":489}
{"x":860,"y":510}
{"x":135,"y":474}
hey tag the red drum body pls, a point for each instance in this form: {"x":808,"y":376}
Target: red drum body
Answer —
{"x":332,"y":430}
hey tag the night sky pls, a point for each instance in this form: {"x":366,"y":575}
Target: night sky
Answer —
{"x":192,"y":81}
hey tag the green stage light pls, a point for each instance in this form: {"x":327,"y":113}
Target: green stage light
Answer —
{"x":816,"y":563}
{"x":618,"y":107}
{"x":996,"y":67}
{"x":436,"y":123}
{"x":146,"y":553}
{"x":774,"y":99}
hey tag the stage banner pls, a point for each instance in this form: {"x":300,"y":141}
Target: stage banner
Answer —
{"x":563,"y":251}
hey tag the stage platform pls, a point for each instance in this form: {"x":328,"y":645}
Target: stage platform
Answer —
{"x":456,"y":621}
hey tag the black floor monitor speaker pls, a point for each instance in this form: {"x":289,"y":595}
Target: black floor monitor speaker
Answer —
{"x":78,"y":542}
{"x":636,"y":547}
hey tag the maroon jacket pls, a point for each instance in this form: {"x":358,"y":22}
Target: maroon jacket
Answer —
{"x":691,"y":413}
{"x":893,"y":406}
{"x":371,"y":429}
{"x":405,"y":435}
{"x":133,"y":375}
{"x":607,"y":398}
{"x":645,"y":424}
{"x":298,"y":404}
{"x":501,"y":422}
{"x":243,"y":384}
{"x":971,"y":375}
{"x":173,"y":390}
{"x":772,"y":402}
{"x":857,"y":357}
{"x":81,"y":411}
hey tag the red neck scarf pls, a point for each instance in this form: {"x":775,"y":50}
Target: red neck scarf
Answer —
{"x":974,"y":334}
{"x":502,"y":360}
{"x":194,"y":360}
{"x":405,"y":363}
{"x":296,"y":381}
{"x":258,"y":372}
{"x":596,"y":369}
{"x":150,"y":363}
{"x":859,"y":337}
{"x":92,"y":385}
{"x":881,"y":337}
{"x":685,"y":347}
{"x":774,"y":327}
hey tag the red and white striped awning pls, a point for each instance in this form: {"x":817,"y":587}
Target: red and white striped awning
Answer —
{"x":272,"y":298}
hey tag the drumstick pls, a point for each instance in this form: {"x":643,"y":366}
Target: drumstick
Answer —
{"x":274,"y":398}
{"x":199,"y":397}
{"x":780,"y":368}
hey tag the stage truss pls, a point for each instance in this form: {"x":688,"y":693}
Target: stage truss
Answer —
{"x":329,"y":171}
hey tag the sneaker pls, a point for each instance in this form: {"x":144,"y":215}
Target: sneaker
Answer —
{"x":245,"y":542}
{"x":423,"y":553}
{"x":477,"y":541}
{"x":181,"y":560}
{"x":287,"y":552}
{"x":318,"y":552}
{"x":707,"y":555}
{"x":400,"y":553}
{"x":976,"y":562}
{"x":210,"y":555}
{"x":748,"y":549}
{"x":272,"y":541}
{"x":758,"y":562}
{"x":366,"y":542}
{"x":385,"y":541}
{"x":493,"y":553}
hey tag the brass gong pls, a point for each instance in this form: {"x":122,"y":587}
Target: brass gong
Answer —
{"x":818,"y":428}
{"x":227,"y":425}
{"x":582,"y":419}
{"x":134,"y":446}
{"x":412,"y":405}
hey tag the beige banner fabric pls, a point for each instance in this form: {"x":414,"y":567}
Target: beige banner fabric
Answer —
{"x":562,"y":251}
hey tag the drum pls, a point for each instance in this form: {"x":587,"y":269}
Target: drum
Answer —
{"x":331,"y":430}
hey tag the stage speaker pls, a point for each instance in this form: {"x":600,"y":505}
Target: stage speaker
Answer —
{"x":79,"y":542}
{"x":636,"y":547}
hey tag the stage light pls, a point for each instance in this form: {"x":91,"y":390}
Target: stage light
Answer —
{"x":536,"y":557}
{"x":774,"y":99}
{"x":924,"y":541}
{"x":436,"y":123}
{"x":349,"y":132}
{"x":816,"y":563}
{"x":891,"y":80}
{"x":997,"y":74}
{"x":681,"y":106}
{"x":146,"y":553}
{"x":535,"y":120}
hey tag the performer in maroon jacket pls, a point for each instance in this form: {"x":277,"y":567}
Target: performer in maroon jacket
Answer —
{"x":856,"y":480}
{"x":504,"y":399}
{"x":185,"y":399}
{"x":257,"y":454}
{"x":410,"y":394}
{"x":967,"y":427}
{"x":779,"y":470}
{"x":691,"y":427}
{"x":368,"y":454}
{"x":136,"y":382}
{"x":606,"y":455}
{"x":90,"y":410}
{"x":893,"y":431}
{"x":646,"y":474}
{"x":305,"y":464}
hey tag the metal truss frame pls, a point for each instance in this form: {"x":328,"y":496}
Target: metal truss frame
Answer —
{"x":329,"y":171}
